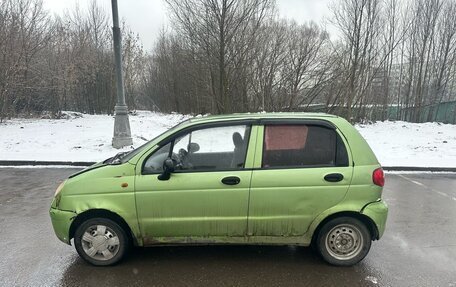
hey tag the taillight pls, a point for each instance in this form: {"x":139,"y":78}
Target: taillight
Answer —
{"x":378,"y":177}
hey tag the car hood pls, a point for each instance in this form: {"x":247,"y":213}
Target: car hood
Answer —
{"x":92,"y":167}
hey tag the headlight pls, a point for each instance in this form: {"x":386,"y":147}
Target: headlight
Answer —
{"x":57,"y":191}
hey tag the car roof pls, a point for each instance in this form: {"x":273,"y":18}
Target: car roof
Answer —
{"x":260,"y":115}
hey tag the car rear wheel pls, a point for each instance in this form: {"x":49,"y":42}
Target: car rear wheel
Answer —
{"x":344,"y":241}
{"x":101,"y":241}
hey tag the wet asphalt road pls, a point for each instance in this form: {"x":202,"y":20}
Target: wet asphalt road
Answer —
{"x":418,"y":248}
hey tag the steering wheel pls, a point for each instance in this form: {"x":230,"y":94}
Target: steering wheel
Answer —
{"x":184,"y":158}
{"x":181,"y":160}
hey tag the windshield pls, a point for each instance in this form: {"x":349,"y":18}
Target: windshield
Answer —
{"x":129,"y":155}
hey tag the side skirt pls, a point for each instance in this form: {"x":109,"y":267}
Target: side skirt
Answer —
{"x":222,"y":240}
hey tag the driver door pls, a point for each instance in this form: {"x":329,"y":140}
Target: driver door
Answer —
{"x":207,"y":194}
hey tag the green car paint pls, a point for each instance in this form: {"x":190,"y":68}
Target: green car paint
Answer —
{"x":268,"y":206}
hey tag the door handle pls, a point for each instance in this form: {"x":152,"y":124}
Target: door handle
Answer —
{"x":334,"y":177}
{"x":231,"y":180}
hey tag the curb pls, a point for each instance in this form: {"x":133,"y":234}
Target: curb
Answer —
{"x":417,"y":168}
{"x":89,"y":163}
{"x":44,"y":163}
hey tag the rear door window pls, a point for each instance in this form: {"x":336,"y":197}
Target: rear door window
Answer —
{"x":296,"y":145}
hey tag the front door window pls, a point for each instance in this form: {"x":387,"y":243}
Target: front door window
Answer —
{"x":212,"y":149}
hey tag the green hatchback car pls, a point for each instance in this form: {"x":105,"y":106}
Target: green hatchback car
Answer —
{"x":268,"y":178}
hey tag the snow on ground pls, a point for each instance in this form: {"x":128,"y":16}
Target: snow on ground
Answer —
{"x":80,"y":138}
{"x":412,"y":144}
{"x":88,"y":138}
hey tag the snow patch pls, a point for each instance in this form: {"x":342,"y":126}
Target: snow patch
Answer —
{"x":412,"y":144}
{"x":371,"y":279}
{"x":76,"y":137}
{"x":83,"y":137}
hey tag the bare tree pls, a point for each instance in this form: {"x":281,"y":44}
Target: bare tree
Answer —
{"x":213,"y":26}
{"x":358,"y":21}
{"x":223,"y":56}
{"x":443,"y":57}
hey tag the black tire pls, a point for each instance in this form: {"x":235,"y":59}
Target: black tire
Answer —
{"x":343,"y":241}
{"x":112,"y":229}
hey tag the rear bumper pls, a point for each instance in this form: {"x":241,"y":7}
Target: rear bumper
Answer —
{"x":378,"y":212}
{"x":61,"y":222}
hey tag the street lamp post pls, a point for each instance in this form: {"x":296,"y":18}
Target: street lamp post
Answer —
{"x":122,"y":133}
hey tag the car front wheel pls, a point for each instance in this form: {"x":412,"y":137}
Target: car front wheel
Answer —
{"x":344,"y":241}
{"x":101,"y":241}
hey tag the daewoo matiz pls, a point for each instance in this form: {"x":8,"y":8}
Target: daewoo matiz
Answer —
{"x":278,"y":178}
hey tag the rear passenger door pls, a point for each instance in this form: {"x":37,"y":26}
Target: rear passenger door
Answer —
{"x":301,"y":169}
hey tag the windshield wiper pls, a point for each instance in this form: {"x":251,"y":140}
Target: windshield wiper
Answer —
{"x":116,"y":159}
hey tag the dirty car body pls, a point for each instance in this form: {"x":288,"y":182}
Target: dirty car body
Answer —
{"x":278,"y":178}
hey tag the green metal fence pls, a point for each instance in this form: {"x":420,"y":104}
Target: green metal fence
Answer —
{"x":443,"y":112}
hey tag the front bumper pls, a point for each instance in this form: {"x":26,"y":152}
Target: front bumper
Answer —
{"x":61,"y":222}
{"x":378,"y":212}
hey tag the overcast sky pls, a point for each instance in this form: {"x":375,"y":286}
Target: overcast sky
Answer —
{"x":147,"y":17}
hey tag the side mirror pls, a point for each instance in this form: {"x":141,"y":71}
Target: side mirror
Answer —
{"x":168,"y":165}
{"x":168,"y":168}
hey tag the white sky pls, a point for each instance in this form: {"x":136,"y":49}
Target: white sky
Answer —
{"x":148,"y":17}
